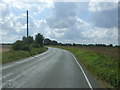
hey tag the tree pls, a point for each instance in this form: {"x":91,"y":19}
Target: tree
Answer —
{"x":54,"y":42}
{"x":74,"y":44}
{"x":20,"y":45}
{"x":47,"y":41}
{"x":28,"y":39}
{"x":110,"y":45}
{"x":35,"y":44}
{"x":39,"y":39}
{"x":24,"y":39}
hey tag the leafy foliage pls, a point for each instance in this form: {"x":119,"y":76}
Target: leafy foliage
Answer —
{"x":28,"y":39}
{"x":50,"y":42}
{"x":39,"y":39}
{"x":47,"y":41}
{"x":28,"y":42}
{"x":35,"y":45}
{"x":20,"y":45}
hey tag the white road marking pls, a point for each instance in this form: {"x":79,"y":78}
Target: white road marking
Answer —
{"x":7,"y":66}
{"x":83,"y":73}
{"x":24,"y":60}
{"x":9,"y":82}
{"x":7,"y":75}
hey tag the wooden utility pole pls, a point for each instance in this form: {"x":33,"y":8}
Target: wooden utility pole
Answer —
{"x":27,"y":24}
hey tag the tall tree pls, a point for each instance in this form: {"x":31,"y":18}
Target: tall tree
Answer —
{"x":28,"y":39}
{"x":47,"y":41}
{"x":39,"y":39}
{"x":54,"y":42}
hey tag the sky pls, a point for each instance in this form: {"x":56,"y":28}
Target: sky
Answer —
{"x":87,"y":22}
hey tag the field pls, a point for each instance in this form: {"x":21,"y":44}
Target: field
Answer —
{"x":9,"y":55}
{"x":5,"y":48}
{"x":110,"y":51}
{"x":102,"y":62}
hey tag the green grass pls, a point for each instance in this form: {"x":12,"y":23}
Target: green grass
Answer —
{"x":103,"y":67}
{"x":12,"y":55}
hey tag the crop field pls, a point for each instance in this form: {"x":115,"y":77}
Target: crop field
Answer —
{"x":5,"y":48}
{"x":102,"y":62}
{"x":111,"y":51}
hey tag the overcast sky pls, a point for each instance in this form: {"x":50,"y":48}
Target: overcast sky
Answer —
{"x":66,"y":22}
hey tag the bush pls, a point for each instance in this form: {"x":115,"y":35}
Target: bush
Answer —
{"x":35,"y":45}
{"x":28,"y":39}
{"x":39,"y":39}
{"x":20,"y":45}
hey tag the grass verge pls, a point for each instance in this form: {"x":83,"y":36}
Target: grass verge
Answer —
{"x":12,"y":55}
{"x":103,"y":67}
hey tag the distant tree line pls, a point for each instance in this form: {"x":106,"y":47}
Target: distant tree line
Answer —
{"x":5,"y":43}
{"x":69,"y":44}
{"x":27,"y":42}
{"x":47,"y":41}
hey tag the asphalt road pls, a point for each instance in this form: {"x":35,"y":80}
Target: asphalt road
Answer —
{"x":56,"y":68}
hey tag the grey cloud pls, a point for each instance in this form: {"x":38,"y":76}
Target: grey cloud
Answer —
{"x":106,"y":18}
{"x":5,"y":10}
{"x":63,"y":10}
{"x":64,"y":15}
{"x":102,"y":6}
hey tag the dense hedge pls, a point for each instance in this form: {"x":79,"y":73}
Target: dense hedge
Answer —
{"x":20,"y":45}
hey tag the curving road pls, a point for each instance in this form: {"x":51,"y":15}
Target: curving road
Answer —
{"x":56,"y":68}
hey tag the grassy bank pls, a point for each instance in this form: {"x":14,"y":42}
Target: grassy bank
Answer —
{"x":103,"y":66}
{"x":12,"y":55}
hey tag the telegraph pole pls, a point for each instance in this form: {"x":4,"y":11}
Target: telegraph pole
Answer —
{"x":27,"y":24}
{"x":27,"y":36}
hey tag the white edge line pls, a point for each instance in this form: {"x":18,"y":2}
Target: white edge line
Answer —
{"x":83,"y":72}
